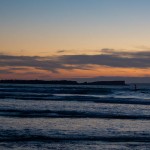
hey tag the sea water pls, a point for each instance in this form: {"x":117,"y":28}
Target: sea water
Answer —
{"x":74,"y":117}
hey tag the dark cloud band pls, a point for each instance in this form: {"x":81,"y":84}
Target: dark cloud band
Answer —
{"x":108,"y":57}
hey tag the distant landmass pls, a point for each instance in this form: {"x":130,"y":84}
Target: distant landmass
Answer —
{"x":107,"y":83}
{"x":62,"y":82}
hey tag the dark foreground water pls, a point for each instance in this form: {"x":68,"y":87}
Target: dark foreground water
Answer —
{"x":74,"y":117}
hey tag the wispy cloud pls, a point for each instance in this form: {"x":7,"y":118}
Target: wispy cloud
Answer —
{"x":5,"y":71}
{"x":61,"y":51}
{"x":141,"y":54}
{"x":108,"y":57}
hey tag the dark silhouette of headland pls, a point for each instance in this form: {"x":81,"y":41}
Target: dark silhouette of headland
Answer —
{"x":62,"y":82}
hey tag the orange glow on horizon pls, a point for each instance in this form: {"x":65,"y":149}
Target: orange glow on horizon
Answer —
{"x":32,"y":73}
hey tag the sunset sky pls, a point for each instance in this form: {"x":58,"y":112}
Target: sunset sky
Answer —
{"x":61,"y":39}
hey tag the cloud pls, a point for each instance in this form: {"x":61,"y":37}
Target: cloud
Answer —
{"x":112,"y":59}
{"x":139,"y":54}
{"x":61,"y":51}
{"x":52,"y":64}
{"x":108,"y":57}
{"x":43,"y":63}
{"x":5,"y":71}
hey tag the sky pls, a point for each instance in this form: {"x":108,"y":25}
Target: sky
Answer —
{"x":61,"y":39}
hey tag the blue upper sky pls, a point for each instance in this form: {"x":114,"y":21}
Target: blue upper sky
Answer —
{"x":63,"y":24}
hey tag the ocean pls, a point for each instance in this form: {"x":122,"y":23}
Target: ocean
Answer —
{"x":74,"y":117}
